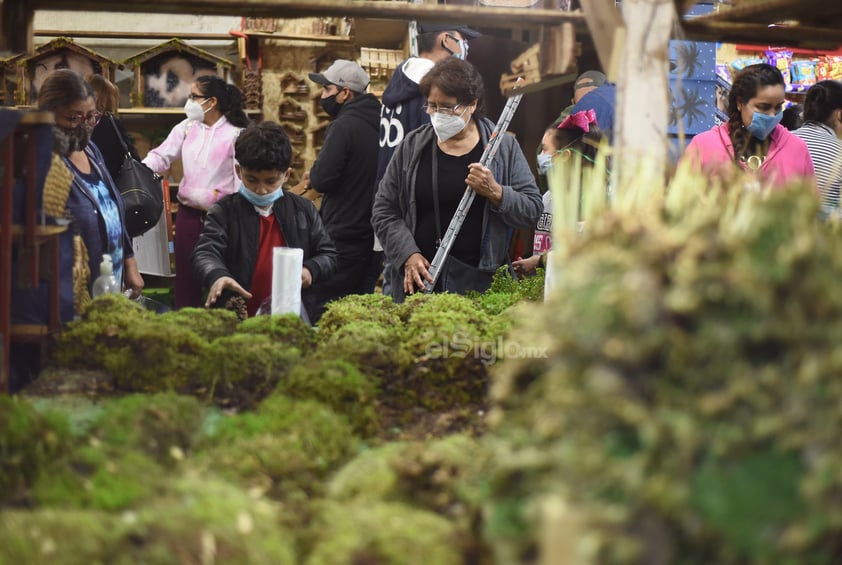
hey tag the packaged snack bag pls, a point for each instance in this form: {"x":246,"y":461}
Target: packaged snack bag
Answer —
{"x":803,"y":74}
{"x":822,"y":68}
{"x":782,"y":60}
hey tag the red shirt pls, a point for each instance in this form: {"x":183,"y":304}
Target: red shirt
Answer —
{"x":271,"y":236}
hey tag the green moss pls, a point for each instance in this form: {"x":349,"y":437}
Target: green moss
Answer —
{"x":288,"y":330}
{"x":241,"y":369}
{"x":85,"y":341}
{"x":449,"y":339}
{"x":151,"y":357}
{"x":30,"y":443}
{"x":57,"y":536}
{"x":207,"y":323}
{"x":286,"y":445}
{"x":361,"y":308}
{"x":442,"y":475}
{"x":202,"y":516}
{"x":101,"y":477}
{"x":339,"y":385}
{"x":382,"y":532}
{"x":378,"y":350}
{"x":163,"y":426}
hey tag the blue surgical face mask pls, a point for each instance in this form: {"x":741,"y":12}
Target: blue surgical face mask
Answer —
{"x":262,"y":200}
{"x":545,"y":162}
{"x":763,"y":124}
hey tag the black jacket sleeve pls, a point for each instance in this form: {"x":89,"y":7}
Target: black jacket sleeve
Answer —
{"x":326,"y":175}
{"x":320,"y":254}
{"x":208,"y":257}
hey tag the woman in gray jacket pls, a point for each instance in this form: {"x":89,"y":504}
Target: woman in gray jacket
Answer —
{"x":425,"y":181}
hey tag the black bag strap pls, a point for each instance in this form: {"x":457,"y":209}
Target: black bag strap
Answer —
{"x":119,"y":135}
{"x":435,"y":183}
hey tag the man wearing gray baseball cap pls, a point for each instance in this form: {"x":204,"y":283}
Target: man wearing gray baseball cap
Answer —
{"x":344,"y":173}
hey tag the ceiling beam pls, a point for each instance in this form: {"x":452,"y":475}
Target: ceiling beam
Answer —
{"x":702,"y":29}
{"x":490,"y":17}
{"x":774,"y":11}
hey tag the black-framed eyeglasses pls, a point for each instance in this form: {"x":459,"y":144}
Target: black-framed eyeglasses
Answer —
{"x":443,"y":109}
{"x":192,"y":96}
{"x":92,"y":118}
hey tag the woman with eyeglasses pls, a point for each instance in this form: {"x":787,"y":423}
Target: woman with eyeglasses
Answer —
{"x":204,"y":142}
{"x":752,"y":139}
{"x":94,"y":204}
{"x":426,"y":178}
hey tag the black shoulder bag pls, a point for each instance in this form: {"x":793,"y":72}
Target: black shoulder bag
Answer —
{"x":140,"y":188}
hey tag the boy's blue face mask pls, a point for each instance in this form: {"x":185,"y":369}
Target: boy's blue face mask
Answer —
{"x":763,"y":124}
{"x":262,"y":200}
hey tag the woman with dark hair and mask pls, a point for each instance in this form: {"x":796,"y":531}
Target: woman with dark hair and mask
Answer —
{"x":822,"y":131}
{"x":425,"y":180}
{"x":752,"y":139}
{"x":94,"y":204}
{"x":205,"y":143}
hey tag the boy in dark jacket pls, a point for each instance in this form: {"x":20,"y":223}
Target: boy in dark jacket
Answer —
{"x":234,"y":253}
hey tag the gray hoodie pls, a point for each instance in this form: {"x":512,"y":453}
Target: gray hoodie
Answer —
{"x":394,"y":213}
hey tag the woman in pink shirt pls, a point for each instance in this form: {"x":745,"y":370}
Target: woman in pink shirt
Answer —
{"x":205,"y":144}
{"x":753,"y":139}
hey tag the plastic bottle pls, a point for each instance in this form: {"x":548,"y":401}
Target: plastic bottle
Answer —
{"x":106,"y":282}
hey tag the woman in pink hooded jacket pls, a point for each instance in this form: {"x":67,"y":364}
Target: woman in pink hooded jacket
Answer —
{"x":205,"y":144}
{"x":753,"y":139}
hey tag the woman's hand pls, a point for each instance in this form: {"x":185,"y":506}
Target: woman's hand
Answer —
{"x":306,"y":278}
{"x":526,"y":266}
{"x":415,"y":272}
{"x":131,"y":278}
{"x":221,"y":284}
{"x":482,"y":181}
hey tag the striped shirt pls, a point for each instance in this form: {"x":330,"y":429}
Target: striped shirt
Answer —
{"x":826,"y":152}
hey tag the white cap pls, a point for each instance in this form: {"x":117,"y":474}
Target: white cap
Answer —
{"x":106,"y":268}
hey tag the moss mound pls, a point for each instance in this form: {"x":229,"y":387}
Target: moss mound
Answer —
{"x":242,"y":369}
{"x":82,"y":345}
{"x":199,"y":520}
{"x":62,"y":537}
{"x":206,"y":519}
{"x":451,"y":342}
{"x":287,"y":329}
{"x":506,"y":291}
{"x":376,"y":349}
{"x":101,"y":477}
{"x":163,"y":426}
{"x":386,"y":533}
{"x":689,"y":399}
{"x":207,"y":323}
{"x":361,"y":308}
{"x":287,"y":445}
{"x":30,"y":442}
{"x":339,"y":385}
{"x":442,"y":475}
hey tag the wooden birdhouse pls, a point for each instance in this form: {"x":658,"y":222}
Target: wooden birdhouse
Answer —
{"x":297,"y":135}
{"x":319,"y":132}
{"x":291,"y":110}
{"x":163,"y":73}
{"x":293,"y":85}
{"x":60,"y":53}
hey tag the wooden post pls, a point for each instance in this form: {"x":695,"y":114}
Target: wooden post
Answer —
{"x":642,"y":103}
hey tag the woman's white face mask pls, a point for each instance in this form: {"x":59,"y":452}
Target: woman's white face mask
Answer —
{"x":194,"y":110}
{"x":448,"y":125}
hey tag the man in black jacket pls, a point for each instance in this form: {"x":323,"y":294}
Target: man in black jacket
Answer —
{"x":344,"y":173}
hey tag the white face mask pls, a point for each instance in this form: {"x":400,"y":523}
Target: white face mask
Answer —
{"x":447,"y":125}
{"x":194,"y":110}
